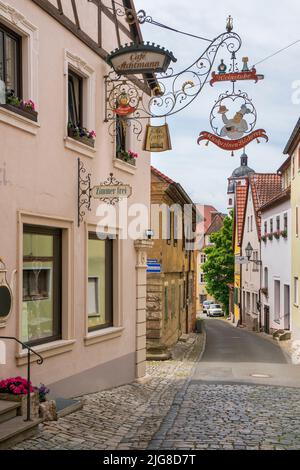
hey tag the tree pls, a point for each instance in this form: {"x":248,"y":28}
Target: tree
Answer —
{"x":219,"y":265}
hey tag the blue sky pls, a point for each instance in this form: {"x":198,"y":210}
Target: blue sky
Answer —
{"x":264,"y":28}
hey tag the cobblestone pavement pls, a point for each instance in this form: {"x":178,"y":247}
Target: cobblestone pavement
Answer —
{"x":125,"y":417}
{"x":173,"y":409}
{"x":224,"y":416}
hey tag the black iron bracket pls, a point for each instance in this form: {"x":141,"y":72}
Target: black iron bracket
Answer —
{"x":84,"y":192}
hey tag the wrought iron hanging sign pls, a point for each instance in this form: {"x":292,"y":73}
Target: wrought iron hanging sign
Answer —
{"x":110,"y":191}
{"x":164,"y":92}
{"x":233,"y":116}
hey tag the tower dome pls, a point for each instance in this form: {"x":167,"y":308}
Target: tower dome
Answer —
{"x":243,"y":170}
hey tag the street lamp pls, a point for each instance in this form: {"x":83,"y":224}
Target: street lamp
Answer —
{"x":249,"y":251}
{"x":149,"y":234}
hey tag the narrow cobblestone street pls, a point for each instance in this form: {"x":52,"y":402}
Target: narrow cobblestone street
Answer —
{"x":182,"y":406}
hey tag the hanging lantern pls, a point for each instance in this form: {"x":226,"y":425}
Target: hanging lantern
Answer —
{"x":157,"y":138}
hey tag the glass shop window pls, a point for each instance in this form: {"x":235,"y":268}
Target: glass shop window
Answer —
{"x":42,"y":264}
{"x":100,"y":283}
{"x":10,"y":63}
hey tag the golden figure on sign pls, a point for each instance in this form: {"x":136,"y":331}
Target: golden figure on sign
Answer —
{"x":123,"y":107}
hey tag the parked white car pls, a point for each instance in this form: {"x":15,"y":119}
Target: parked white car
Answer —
{"x":206,"y":305}
{"x":215,"y":310}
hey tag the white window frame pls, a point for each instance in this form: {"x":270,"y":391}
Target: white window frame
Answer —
{"x":296,"y":291}
{"x":84,"y":70}
{"x":16,"y":21}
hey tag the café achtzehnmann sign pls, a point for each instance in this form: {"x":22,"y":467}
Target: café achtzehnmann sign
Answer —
{"x":140,"y":59}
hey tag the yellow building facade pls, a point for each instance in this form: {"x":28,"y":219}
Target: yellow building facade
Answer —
{"x":292,"y":149}
{"x":237,"y":196}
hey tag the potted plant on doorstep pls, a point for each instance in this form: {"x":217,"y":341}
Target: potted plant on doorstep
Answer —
{"x":25,"y":108}
{"x":127,"y":156}
{"x":47,"y":407}
{"x":270,"y":236}
{"x":264,"y":238}
{"x":16,"y":389}
{"x":82,"y":134}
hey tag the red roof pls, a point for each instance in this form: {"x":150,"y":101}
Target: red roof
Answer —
{"x":264,"y":187}
{"x":216,"y":224}
{"x":208,"y":213}
{"x":161,"y":175}
{"x":284,"y":195}
{"x":240,"y":206}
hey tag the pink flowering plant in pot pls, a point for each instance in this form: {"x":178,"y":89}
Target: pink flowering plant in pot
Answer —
{"x":16,"y":389}
{"x":16,"y":386}
{"x":127,"y":156}
{"x":25,"y":107}
{"x":82,"y":134}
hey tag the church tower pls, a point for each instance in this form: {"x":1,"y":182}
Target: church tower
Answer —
{"x":239,"y":177}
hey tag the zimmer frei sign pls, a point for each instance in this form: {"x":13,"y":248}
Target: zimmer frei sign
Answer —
{"x":113,"y":191}
{"x":140,"y":59}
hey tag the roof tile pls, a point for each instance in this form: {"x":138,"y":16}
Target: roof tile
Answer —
{"x":264,"y":186}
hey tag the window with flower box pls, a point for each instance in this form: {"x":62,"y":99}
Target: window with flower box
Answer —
{"x":76,"y":126}
{"x":122,"y":151}
{"x":11,"y":92}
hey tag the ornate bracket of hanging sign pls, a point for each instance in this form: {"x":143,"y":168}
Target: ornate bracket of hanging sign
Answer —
{"x":171,"y":92}
{"x":235,"y":132}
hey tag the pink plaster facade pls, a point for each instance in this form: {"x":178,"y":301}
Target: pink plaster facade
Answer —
{"x":41,"y":189}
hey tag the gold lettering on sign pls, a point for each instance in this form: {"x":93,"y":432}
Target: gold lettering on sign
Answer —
{"x":157,"y":139}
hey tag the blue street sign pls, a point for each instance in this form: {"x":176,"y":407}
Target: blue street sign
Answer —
{"x":153,"y":266}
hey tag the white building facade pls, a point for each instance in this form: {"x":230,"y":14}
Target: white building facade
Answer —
{"x":276,"y":264}
{"x":263,"y":187}
{"x":251,"y":270}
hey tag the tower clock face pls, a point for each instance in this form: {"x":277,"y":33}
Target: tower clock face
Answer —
{"x":5,"y":301}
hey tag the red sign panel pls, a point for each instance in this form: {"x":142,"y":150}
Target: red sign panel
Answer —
{"x":232,"y":77}
{"x":232,"y":144}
